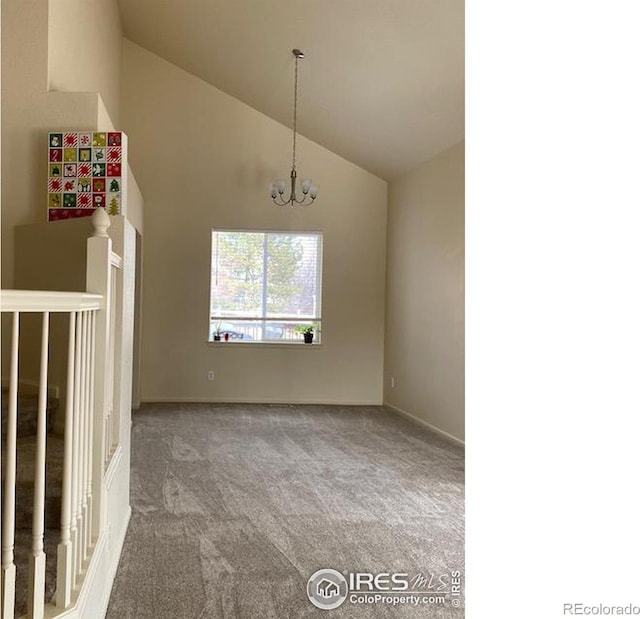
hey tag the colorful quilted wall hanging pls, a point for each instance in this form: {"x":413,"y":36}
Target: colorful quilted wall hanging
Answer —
{"x":86,"y":171}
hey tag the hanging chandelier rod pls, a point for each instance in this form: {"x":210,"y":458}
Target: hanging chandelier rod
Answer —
{"x":309,"y":190}
{"x":298,"y":54}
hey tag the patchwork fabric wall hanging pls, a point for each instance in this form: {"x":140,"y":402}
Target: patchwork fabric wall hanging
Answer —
{"x":87,"y":169}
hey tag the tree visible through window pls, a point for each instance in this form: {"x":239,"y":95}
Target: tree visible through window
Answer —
{"x":265,"y":285}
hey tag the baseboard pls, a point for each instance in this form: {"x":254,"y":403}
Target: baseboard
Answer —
{"x":424,"y":423}
{"x":259,"y":401}
{"x":102,"y":553}
{"x":32,"y":387}
{"x":75,"y":610}
{"x":114,"y":566}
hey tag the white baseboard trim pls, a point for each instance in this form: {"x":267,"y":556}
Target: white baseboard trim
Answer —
{"x":114,"y":566}
{"x":424,"y":423}
{"x":76,"y":608}
{"x":101,"y":554}
{"x":32,"y":387}
{"x":259,"y":401}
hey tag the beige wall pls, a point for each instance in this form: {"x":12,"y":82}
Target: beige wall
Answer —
{"x":424,"y":340}
{"x":85,"y":49}
{"x":29,"y":111}
{"x":204,"y":159}
{"x":32,"y":36}
{"x":37,"y":50}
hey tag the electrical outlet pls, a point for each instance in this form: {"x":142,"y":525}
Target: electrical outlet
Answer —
{"x":393,"y":382}
{"x":211,"y":375}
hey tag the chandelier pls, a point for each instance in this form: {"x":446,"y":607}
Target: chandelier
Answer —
{"x":309,"y":190}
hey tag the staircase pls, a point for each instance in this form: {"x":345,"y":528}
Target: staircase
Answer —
{"x":65,"y":498}
{"x":25,"y":483}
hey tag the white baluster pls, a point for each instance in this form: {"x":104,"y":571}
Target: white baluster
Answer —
{"x":80,"y":412}
{"x":92,"y":357}
{"x":37,"y":562}
{"x":8,"y":516}
{"x":83,"y":439}
{"x":87,"y":461}
{"x":76,"y":455}
{"x":108,"y":383}
{"x":64,"y":582}
{"x":112,"y":359}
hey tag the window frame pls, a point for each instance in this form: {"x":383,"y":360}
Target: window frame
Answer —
{"x":317,"y":340}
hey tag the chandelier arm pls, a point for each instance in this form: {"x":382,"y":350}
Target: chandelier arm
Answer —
{"x":303,"y":200}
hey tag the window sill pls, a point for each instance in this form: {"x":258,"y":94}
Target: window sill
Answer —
{"x":255,"y":344}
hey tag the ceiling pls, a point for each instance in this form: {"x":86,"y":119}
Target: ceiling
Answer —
{"x":382,"y":83}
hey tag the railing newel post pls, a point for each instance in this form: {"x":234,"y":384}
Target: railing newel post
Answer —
{"x":98,"y":281}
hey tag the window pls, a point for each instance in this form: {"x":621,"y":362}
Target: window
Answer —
{"x":265,"y":286}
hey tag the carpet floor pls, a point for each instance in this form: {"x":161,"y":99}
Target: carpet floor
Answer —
{"x":234,"y":507}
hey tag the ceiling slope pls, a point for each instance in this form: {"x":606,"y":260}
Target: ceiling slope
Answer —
{"x":382,"y":83}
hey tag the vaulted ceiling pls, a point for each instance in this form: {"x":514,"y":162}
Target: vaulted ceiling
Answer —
{"x":382,"y":83}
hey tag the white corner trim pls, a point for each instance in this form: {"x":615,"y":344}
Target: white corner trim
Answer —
{"x":424,"y":423}
{"x":114,"y":463}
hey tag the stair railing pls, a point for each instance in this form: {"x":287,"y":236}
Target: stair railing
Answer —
{"x":89,"y":431}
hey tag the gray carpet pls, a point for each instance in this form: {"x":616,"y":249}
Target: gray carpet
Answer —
{"x":235,"y":506}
